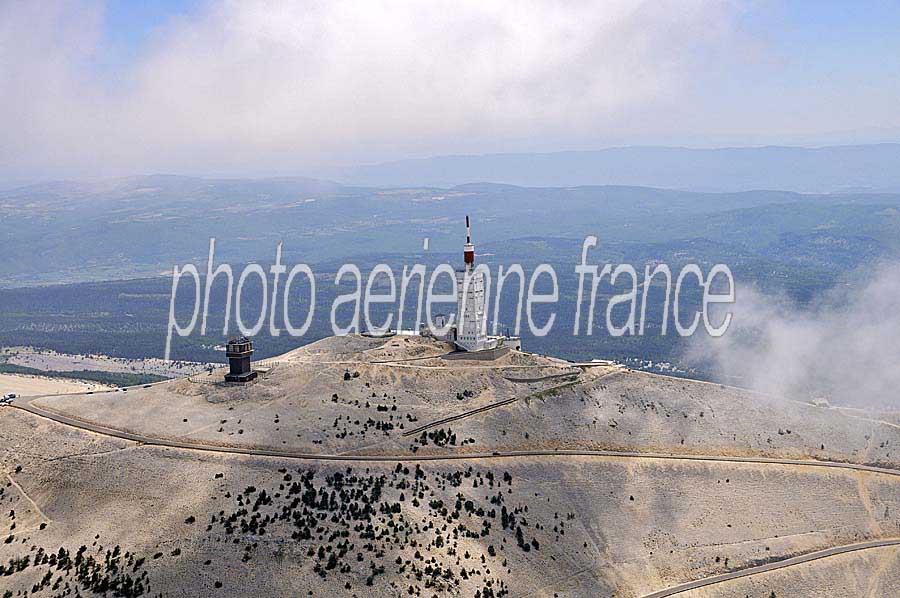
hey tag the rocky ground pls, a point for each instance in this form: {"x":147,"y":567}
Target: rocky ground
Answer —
{"x":458,"y":483}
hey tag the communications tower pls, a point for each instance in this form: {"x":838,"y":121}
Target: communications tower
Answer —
{"x":471,"y":316}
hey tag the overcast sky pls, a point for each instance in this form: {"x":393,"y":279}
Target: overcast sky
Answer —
{"x":247,"y":88}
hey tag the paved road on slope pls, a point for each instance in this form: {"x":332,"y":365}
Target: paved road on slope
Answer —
{"x":261,"y":452}
{"x":797,"y":560}
{"x":483,"y":408}
{"x":452,"y":418}
{"x":458,"y":416}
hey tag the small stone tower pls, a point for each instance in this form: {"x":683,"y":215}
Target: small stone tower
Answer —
{"x":238,"y":351}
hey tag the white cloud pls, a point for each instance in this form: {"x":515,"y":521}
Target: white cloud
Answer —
{"x":256,"y":87}
{"x":846,"y":346}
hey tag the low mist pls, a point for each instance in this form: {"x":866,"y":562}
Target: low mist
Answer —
{"x":844,"y":347}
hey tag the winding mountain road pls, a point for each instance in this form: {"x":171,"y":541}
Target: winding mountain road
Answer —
{"x":797,"y":560}
{"x":288,"y":454}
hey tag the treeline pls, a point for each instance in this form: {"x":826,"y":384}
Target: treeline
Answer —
{"x":108,"y":378}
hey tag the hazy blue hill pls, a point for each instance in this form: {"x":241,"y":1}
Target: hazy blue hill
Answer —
{"x":816,"y":170}
{"x":139,"y":226}
{"x":128,"y":318}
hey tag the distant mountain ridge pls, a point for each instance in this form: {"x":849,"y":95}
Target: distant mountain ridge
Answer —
{"x":141,"y":226}
{"x":843,"y":168}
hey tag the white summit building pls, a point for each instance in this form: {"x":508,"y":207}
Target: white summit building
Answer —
{"x":471,"y":315}
{"x":469,"y":332}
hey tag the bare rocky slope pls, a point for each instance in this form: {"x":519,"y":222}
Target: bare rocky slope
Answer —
{"x":377,"y":467}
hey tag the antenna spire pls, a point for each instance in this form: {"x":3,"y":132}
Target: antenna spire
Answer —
{"x":469,"y":249}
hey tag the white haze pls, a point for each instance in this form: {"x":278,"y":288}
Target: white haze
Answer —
{"x":278,"y":87}
{"x":845,"y":347}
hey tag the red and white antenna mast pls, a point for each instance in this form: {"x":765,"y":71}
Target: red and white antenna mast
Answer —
{"x":468,"y":249}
